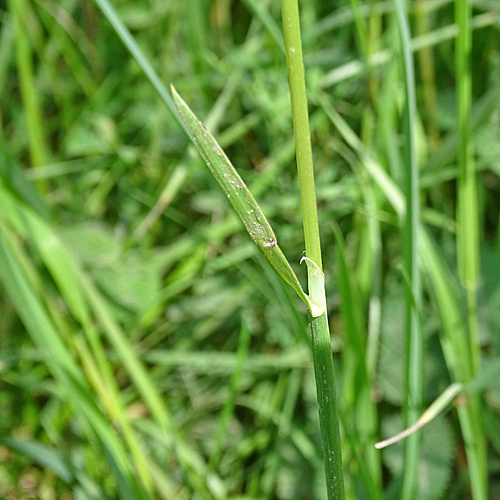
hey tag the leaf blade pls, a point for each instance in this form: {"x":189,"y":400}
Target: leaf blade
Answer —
{"x":242,"y":201}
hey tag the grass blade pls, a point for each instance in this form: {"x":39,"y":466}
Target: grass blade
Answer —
{"x":432,"y":412}
{"x":241,"y":199}
{"x":414,"y":347}
{"x":34,"y":121}
{"x":357,"y":401}
{"x":453,"y":338}
{"x":468,"y":229}
{"x":15,"y":276}
{"x":129,"y":42}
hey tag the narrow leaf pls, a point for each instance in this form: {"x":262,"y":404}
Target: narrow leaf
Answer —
{"x":430,"y":414}
{"x":241,"y":199}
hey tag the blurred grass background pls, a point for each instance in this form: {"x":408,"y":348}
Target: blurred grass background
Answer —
{"x":147,"y":350}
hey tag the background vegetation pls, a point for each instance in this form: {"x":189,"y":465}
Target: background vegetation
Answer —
{"x":147,"y":350}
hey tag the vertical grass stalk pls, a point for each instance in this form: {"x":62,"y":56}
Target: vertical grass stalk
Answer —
{"x":468,"y":240}
{"x":423,"y":25}
{"x":467,"y":211}
{"x":414,"y":340}
{"x":323,"y":361}
{"x":34,"y":122}
{"x":467,"y":214}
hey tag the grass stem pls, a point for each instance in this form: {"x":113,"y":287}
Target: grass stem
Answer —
{"x":328,"y":407}
{"x":300,"y":117}
{"x":468,"y":241}
{"x":414,"y":339}
{"x":32,"y":109}
{"x":323,"y":361}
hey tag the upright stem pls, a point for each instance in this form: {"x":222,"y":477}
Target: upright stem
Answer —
{"x":467,"y":247}
{"x":467,"y":251}
{"x":328,"y":407}
{"x":323,"y":361}
{"x":467,"y":212}
{"x":414,"y":381}
{"x":300,"y":117}
{"x":34,"y":121}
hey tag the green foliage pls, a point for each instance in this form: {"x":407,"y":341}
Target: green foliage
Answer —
{"x":148,"y":350}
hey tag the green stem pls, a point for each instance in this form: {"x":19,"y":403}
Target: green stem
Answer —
{"x":38,"y":148}
{"x":328,"y":407}
{"x":467,"y":246}
{"x":467,"y":216}
{"x":323,"y":361}
{"x":467,"y":211}
{"x":414,"y":381}
{"x":300,"y":117}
